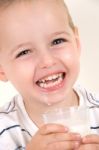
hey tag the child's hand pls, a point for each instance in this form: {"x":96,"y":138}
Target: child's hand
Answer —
{"x":54,"y":137}
{"x":90,"y":142}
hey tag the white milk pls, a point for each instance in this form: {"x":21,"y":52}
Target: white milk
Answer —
{"x":75,"y":118}
{"x":80,"y":126}
{"x":82,"y":129}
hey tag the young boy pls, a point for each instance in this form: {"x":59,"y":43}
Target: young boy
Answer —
{"x":40,"y":55}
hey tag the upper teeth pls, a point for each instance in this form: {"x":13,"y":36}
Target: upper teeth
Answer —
{"x":51,"y":81}
{"x":51,"y":77}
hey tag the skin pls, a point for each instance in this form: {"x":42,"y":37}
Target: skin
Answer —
{"x":34,"y":45}
{"x":43,"y":57}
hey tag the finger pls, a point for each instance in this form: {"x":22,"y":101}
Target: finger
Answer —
{"x":64,"y":145}
{"x":58,"y":137}
{"x":89,"y":147}
{"x":52,"y":128}
{"x":93,"y":139}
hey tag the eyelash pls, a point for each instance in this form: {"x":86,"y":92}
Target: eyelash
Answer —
{"x":54,"y":42}
{"x":59,"y":41}
{"x":24,"y":52}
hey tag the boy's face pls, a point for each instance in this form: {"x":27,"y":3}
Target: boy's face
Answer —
{"x":39,"y":52}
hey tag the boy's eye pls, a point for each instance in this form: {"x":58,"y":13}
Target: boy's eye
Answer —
{"x":24,"y":52}
{"x":58,"y":41}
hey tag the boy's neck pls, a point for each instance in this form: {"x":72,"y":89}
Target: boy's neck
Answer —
{"x":36,"y":110}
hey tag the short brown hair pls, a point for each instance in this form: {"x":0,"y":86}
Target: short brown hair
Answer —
{"x":6,"y":3}
{"x":71,"y":23}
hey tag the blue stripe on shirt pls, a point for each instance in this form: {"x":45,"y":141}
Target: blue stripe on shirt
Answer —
{"x":14,"y":126}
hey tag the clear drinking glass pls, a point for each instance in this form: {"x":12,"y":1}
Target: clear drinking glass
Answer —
{"x":75,"y":118}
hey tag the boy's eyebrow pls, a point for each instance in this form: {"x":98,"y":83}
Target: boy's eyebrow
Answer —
{"x":61,"y":32}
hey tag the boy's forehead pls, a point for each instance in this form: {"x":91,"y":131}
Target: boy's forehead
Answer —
{"x":53,"y":6}
{"x":56,"y":5}
{"x":19,"y":15}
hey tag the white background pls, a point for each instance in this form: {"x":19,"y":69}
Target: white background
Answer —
{"x":85,"y":14}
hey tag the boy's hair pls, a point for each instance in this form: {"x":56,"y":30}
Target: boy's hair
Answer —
{"x":6,"y":3}
{"x":71,"y":23}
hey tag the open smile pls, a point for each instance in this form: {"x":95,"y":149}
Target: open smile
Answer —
{"x":51,"y":82}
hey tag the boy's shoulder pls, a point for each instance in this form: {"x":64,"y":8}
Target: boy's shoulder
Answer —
{"x":7,"y":112}
{"x":10,"y":113}
{"x":10,"y":118}
{"x":87,"y":96}
{"x":10,"y":106}
{"x":16,"y":128}
{"x":12,"y":132}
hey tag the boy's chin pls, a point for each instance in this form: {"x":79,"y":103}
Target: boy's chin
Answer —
{"x":52,"y":100}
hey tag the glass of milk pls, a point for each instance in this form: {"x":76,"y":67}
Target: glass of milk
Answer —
{"x":75,"y":118}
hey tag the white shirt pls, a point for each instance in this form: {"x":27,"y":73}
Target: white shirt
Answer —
{"x":17,"y":129}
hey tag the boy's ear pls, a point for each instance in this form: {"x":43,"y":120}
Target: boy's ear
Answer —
{"x":77,"y":39}
{"x":2,"y":75}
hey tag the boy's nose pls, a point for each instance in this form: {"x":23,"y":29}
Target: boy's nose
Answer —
{"x":47,"y":60}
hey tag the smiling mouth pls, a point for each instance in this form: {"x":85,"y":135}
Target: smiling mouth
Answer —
{"x":51,"y":81}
